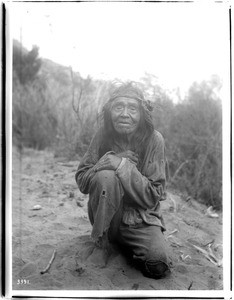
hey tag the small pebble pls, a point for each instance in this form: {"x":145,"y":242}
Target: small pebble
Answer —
{"x":37,"y":207}
{"x":80,"y":270}
{"x":80,"y":204}
{"x":71,"y":194}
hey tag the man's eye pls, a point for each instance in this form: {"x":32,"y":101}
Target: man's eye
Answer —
{"x":133,"y":108}
{"x":119,"y":107}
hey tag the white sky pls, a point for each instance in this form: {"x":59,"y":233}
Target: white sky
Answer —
{"x":178,"y":43}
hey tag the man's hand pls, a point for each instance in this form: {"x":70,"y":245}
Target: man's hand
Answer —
{"x":130,"y":155}
{"x":108,"y":162}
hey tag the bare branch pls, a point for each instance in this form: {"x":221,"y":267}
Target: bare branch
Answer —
{"x":76,"y":108}
{"x":49,"y":264}
{"x":180,"y":167}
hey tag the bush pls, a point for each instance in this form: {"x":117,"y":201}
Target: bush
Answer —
{"x":195,"y":151}
{"x":26,"y":64}
{"x":33,"y":117}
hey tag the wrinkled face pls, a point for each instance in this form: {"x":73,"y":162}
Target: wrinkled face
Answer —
{"x":125,"y":115}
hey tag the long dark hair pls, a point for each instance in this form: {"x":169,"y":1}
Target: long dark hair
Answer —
{"x":145,"y":128}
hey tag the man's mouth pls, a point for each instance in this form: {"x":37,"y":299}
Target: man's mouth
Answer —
{"x":124,"y":123}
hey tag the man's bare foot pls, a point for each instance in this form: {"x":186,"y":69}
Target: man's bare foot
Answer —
{"x":97,"y":252}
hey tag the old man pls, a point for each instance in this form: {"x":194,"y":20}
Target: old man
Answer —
{"x":123,"y":172}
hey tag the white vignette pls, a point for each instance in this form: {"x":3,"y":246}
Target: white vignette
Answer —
{"x":227,"y":214}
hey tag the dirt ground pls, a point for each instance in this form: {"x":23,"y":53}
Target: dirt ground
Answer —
{"x":61,"y":224}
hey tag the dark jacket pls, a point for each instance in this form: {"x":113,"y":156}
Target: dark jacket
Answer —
{"x":144,"y":185}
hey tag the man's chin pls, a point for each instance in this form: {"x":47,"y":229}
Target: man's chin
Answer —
{"x":125,"y":131}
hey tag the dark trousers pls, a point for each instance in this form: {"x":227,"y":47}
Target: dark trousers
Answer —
{"x":144,"y":243}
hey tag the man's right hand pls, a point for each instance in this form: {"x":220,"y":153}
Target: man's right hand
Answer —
{"x":107,"y":162}
{"x":130,"y":155}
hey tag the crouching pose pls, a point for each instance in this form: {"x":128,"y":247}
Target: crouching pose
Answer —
{"x":123,"y":172}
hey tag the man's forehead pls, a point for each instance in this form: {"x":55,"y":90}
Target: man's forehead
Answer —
{"x":126,"y":100}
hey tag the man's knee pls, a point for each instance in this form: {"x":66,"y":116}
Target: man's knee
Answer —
{"x":156,"y":268}
{"x":154,"y":264}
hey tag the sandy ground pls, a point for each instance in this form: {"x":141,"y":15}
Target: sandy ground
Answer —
{"x":62,"y":225}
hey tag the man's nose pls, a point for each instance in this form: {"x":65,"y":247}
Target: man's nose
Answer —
{"x":125,"y":112}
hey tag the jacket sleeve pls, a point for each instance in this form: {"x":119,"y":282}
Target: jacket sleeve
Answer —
{"x":148,"y":189}
{"x":85,"y":171}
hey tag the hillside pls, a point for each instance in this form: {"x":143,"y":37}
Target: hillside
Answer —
{"x":61,"y":224}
